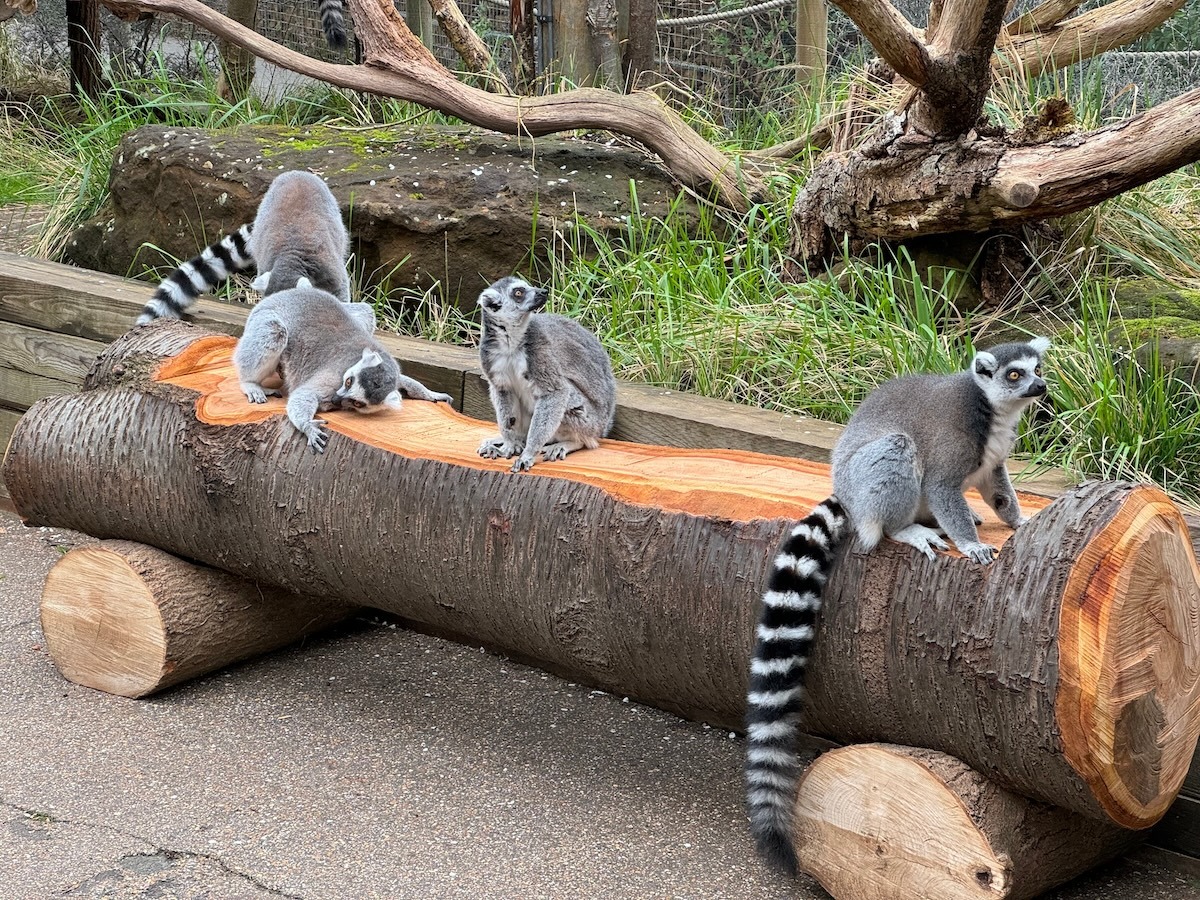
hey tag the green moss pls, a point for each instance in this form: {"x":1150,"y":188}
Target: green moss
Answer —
{"x":1147,"y":298}
{"x":1140,"y":331}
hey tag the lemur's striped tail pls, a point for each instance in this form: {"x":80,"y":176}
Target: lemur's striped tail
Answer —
{"x":785,"y":636}
{"x":206,"y":272}
{"x":333,"y":23}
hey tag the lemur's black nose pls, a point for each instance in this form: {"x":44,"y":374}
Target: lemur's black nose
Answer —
{"x":1036,"y":389}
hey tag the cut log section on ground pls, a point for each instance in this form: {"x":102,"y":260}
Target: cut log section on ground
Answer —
{"x":131,"y":620}
{"x":882,"y":822}
{"x":1067,"y":670}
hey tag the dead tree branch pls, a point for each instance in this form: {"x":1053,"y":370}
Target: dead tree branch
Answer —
{"x":467,"y":44}
{"x":396,"y":64}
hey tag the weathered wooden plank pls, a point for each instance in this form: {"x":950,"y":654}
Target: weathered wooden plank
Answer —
{"x":62,"y":357}
{"x":20,"y":390}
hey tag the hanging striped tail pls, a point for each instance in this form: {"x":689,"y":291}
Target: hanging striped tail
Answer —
{"x":333,"y":23}
{"x":206,"y":272}
{"x":785,"y":635}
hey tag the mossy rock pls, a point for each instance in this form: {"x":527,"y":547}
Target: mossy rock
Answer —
{"x":1146,"y":299}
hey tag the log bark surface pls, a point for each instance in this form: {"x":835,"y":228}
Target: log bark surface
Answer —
{"x":639,"y":568}
{"x":129,"y":619}
{"x":883,"y":822}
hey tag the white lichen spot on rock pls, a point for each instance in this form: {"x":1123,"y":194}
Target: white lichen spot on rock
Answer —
{"x":207,"y":164}
{"x":222,"y":198}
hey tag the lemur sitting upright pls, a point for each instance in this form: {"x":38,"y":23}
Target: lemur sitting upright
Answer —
{"x":297,"y":233}
{"x":905,"y":458}
{"x":550,"y":381}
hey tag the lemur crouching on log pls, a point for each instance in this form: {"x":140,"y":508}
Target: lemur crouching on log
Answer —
{"x":550,"y":381}
{"x":297,"y":233}
{"x":905,"y":458}
{"x":328,"y":359}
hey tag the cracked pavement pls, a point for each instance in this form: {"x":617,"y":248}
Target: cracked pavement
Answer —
{"x":373,"y":762}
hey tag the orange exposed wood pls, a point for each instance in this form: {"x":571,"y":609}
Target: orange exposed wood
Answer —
{"x":1129,"y":661}
{"x":731,"y":484}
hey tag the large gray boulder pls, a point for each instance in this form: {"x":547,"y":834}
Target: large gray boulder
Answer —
{"x":457,"y":206}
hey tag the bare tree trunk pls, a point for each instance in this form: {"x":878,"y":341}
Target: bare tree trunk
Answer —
{"x":1067,"y":669}
{"x":812,"y":39}
{"x":602,"y":23}
{"x":521,"y":24}
{"x":83,"y":39}
{"x":237,"y":63}
{"x":643,"y":43}
{"x":882,"y":822}
{"x":573,"y":43}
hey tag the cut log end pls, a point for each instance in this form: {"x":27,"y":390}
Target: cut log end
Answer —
{"x":883,"y":822}
{"x":1128,"y":705}
{"x":102,"y":625}
{"x":129,"y":619}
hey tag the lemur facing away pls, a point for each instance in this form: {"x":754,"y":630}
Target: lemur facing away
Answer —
{"x":326,"y":356}
{"x":906,"y":456}
{"x":297,"y":233}
{"x":550,"y":381}
{"x":332,"y":22}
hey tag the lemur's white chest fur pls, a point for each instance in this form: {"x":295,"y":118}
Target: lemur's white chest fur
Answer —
{"x":508,"y":366}
{"x":1000,"y":440}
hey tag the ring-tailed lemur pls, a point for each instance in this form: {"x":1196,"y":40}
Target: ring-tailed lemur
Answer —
{"x":906,"y":456}
{"x":550,"y":381}
{"x":326,"y":357}
{"x":297,"y":233}
{"x":332,"y":22}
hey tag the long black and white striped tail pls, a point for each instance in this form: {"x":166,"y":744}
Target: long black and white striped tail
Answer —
{"x":785,"y":635}
{"x":333,"y":23}
{"x":206,"y":272}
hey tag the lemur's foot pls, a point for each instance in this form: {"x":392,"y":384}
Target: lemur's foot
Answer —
{"x":923,"y":538}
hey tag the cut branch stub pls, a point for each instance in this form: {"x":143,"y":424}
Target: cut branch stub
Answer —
{"x":638,"y":568}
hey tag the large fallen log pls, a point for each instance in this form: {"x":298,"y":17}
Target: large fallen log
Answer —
{"x":131,"y":620}
{"x":1067,"y":670}
{"x":882,"y":822}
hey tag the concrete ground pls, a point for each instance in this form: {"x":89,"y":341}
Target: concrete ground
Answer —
{"x":373,"y":762}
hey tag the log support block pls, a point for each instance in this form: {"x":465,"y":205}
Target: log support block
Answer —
{"x":131,"y":620}
{"x":884,"y":822}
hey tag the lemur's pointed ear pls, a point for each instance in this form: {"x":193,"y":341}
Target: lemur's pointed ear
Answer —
{"x":303,"y":282}
{"x":985,"y":364}
{"x":392,"y":400}
{"x":1040,"y":345}
{"x":370,"y":357}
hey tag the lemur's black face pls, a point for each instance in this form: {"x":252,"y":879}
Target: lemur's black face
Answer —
{"x":510,"y":300}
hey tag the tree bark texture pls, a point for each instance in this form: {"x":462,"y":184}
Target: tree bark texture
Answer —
{"x":131,"y":620}
{"x":641,"y":51}
{"x":397,"y":65}
{"x":237,"y":63}
{"x":83,"y":39}
{"x":602,"y":25}
{"x":902,"y":186}
{"x":1067,"y":669}
{"x":884,"y":822}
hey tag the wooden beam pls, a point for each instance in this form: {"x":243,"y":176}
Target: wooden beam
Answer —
{"x":83,"y":40}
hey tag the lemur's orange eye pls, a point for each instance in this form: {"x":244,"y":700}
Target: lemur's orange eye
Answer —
{"x":1014,"y":376}
{"x":518,"y":293}
{"x":1037,"y":370}
{"x":349,"y":381}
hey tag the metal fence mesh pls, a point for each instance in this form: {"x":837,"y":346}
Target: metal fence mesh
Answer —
{"x":735,"y":59}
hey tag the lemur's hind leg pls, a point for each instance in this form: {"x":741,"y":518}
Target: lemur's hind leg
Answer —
{"x":880,"y":489}
{"x":257,"y":354}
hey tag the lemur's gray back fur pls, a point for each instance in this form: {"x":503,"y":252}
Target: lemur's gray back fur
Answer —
{"x":297,"y":233}
{"x":908,"y":452}
{"x":550,"y":381}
